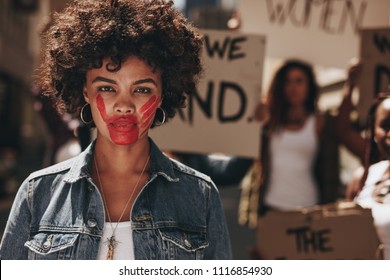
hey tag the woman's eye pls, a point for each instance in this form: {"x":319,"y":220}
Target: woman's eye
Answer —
{"x":106,"y":89}
{"x":143,"y":90}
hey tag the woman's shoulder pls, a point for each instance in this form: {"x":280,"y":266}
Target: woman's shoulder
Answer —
{"x":56,"y":168}
{"x":376,"y":170}
{"x":325,"y":122}
{"x":75,"y":167}
{"x":70,"y":166}
{"x":171,"y":168}
{"x":375,"y":173}
{"x":42,"y":180}
{"x":184,"y":170}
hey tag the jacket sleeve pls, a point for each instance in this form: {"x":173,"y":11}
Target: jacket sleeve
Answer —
{"x":17,"y":230}
{"x":217,"y":231}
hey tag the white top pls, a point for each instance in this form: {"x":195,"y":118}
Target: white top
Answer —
{"x":124,"y":249}
{"x":291,"y":182}
{"x":380,"y":211}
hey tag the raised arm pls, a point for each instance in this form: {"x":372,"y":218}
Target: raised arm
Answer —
{"x":347,"y":134}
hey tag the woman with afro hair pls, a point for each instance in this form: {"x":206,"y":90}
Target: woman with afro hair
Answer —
{"x":124,"y":66}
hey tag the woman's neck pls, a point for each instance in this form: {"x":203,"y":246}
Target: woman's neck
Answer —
{"x":116,"y":159}
{"x":296,"y":114}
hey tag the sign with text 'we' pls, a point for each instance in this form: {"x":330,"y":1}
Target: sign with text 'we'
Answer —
{"x":218,"y":118}
{"x":375,"y":58}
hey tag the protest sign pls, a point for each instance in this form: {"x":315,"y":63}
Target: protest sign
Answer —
{"x":324,"y":32}
{"x":375,"y":58}
{"x":333,"y":231}
{"x":218,"y":118}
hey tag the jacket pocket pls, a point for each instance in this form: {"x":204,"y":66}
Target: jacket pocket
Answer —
{"x":181,"y":244}
{"x":51,"y":245}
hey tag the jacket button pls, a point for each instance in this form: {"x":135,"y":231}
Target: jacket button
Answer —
{"x":47,"y":244}
{"x":187,"y":243}
{"x":91,"y":188}
{"x":91,"y":223}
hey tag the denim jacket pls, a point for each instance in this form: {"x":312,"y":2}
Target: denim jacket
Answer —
{"x":58,"y":213}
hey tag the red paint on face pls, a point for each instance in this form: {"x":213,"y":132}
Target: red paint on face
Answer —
{"x":123,"y":129}
{"x":127,"y":129}
{"x":147,"y":112}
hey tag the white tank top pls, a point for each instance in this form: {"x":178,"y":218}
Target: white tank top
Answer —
{"x":291,"y":182}
{"x":124,"y":249}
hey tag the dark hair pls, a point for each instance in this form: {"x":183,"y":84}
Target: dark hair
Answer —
{"x":87,"y":31}
{"x":276,"y":98}
{"x":372,"y":154}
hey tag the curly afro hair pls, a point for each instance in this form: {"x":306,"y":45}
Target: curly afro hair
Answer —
{"x":87,"y":31}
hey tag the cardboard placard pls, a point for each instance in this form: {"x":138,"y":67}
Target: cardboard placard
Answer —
{"x":218,"y":118}
{"x":332,"y":231}
{"x":324,"y":32}
{"x":375,"y":76}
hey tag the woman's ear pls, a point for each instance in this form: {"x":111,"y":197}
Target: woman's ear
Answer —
{"x":86,"y":98}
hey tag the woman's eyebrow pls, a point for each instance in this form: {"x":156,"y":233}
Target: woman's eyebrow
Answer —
{"x":138,"y":82}
{"x":143,"y":81}
{"x":102,"y":79}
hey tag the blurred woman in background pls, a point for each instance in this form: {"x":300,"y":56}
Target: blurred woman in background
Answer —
{"x":299,"y":162}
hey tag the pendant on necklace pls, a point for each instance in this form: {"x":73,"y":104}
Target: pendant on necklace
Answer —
{"x":111,"y":246}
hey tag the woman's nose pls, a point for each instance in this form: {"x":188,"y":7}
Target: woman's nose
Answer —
{"x":124,"y":105}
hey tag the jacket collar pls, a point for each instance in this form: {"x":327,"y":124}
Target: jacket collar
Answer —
{"x":160,"y":164}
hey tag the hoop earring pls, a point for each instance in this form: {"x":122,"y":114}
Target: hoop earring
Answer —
{"x":159,"y":123}
{"x":82,"y":113}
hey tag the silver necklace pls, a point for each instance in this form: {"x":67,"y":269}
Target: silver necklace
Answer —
{"x":112,"y":242}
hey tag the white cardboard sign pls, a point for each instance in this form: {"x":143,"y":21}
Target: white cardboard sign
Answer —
{"x":218,"y":118}
{"x":375,"y":58}
{"x":324,"y":32}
